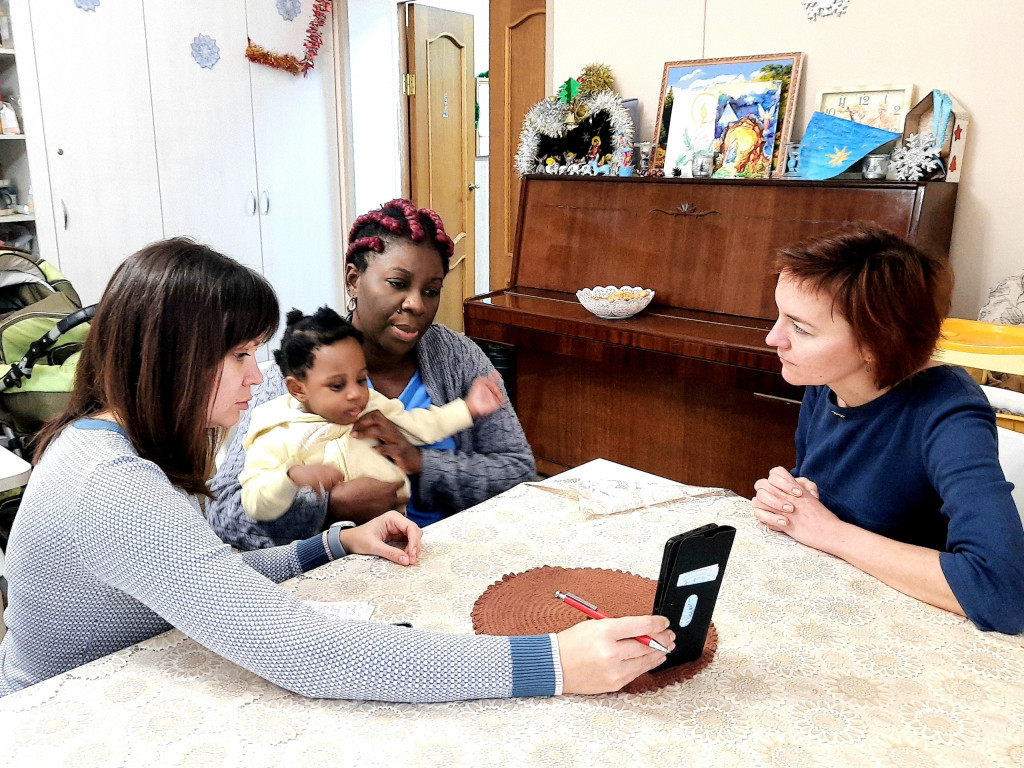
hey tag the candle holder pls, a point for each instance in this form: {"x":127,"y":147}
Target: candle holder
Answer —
{"x":703,"y":164}
{"x":789,"y":156}
{"x":875,"y":166}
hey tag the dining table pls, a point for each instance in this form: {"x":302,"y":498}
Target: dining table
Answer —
{"x":817,"y":663}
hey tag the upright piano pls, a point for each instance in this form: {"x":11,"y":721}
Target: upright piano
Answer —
{"x":687,"y":389}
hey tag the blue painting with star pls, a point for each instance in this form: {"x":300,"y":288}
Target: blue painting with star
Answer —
{"x":831,"y":145}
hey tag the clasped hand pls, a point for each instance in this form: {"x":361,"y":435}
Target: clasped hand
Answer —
{"x":484,"y":397}
{"x":392,"y":443}
{"x":790,"y":504}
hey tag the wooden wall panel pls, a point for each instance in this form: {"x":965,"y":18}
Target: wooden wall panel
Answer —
{"x":689,"y":420}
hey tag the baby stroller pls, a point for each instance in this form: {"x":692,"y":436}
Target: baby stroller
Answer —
{"x":42,"y":329}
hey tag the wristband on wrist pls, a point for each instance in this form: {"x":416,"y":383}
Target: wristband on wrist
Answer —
{"x":334,"y":538}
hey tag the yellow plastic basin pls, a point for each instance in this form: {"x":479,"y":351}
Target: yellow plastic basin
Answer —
{"x":991,"y":346}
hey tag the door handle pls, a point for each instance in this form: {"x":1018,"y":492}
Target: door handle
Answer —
{"x":252,"y":204}
{"x":265,"y":207}
{"x":64,"y":208}
{"x":474,"y":187}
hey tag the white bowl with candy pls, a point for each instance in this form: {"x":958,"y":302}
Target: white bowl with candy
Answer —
{"x":611,"y":303}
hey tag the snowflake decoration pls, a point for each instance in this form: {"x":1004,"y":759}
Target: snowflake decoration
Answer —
{"x":87,"y":5}
{"x":205,"y":51}
{"x":816,"y":8}
{"x":288,"y":9}
{"x":917,"y":159}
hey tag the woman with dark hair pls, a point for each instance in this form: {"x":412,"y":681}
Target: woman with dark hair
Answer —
{"x":110,"y":546}
{"x":396,"y":263}
{"x":897,"y":467}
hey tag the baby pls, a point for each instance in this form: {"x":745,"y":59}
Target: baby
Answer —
{"x":304,"y":439}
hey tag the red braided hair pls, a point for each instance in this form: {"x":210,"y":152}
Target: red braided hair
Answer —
{"x":393,"y":221}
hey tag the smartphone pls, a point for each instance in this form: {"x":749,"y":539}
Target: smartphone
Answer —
{"x":691,"y":575}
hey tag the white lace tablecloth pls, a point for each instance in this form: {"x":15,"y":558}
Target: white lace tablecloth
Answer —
{"x":818,"y":664}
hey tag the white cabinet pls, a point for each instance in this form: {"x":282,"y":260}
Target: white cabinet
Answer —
{"x":142,"y":141}
{"x":295,"y":124}
{"x":93,"y":86}
{"x":203,"y":120}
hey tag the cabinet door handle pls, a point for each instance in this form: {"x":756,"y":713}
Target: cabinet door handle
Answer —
{"x":64,"y":208}
{"x":252,"y":204}
{"x":776,"y":398}
{"x":265,"y":208}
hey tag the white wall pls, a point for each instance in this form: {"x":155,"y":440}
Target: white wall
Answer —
{"x":375,"y":42}
{"x":375,"y":93}
{"x":973,"y":51}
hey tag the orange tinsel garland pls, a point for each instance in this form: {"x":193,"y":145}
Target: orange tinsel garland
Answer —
{"x":260,"y":55}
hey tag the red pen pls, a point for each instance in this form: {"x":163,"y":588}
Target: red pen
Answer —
{"x":591,"y":610}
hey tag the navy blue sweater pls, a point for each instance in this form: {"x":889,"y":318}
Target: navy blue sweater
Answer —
{"x":920,"y":465}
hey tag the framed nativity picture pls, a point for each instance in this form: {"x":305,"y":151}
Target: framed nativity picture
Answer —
{"x":740,"y":108}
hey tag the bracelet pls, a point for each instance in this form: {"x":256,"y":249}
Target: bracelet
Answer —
{"x":334,"y":538}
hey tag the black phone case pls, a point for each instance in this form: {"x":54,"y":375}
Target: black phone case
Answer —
{"x":700,"y":548}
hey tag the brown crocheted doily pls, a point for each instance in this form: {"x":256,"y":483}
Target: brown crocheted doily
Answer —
{"x":525,"y":604}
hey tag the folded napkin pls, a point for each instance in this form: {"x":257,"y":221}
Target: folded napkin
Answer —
{"x":601,"y":497}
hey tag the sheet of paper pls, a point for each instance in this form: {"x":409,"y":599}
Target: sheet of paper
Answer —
{"x":343,"y":609}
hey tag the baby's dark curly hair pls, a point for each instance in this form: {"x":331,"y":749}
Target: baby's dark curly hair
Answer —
{"x":400,"y":219}
{"x":305,"y":334}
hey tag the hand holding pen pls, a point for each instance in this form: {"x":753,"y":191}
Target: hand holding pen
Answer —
{"x":603,"y":656}
{"x":591,"y":610}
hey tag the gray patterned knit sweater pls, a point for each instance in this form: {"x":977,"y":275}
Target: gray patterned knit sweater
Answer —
{"x":105,"y":553}
{"x":490,"y":457}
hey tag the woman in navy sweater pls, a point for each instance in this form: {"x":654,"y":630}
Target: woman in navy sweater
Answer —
{"x":897,"y":467}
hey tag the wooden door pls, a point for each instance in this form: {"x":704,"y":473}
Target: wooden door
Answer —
{"x":299,"y":197}
{"x":517,"y":78}
{"x":439,"y":52}
{"x":206,"y":151}
{"x":93,"y":78}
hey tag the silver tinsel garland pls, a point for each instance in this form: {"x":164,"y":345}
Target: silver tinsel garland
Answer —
{"x":549,"y":117}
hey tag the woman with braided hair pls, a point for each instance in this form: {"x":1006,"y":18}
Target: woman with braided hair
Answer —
{"x":395,"y":267}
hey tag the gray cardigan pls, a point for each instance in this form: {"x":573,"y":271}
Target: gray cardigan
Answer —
{"x":490,"y":457}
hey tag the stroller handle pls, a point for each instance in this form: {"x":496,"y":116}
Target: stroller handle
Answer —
{"x":83,"y":315}
{"x":23,"y":369}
